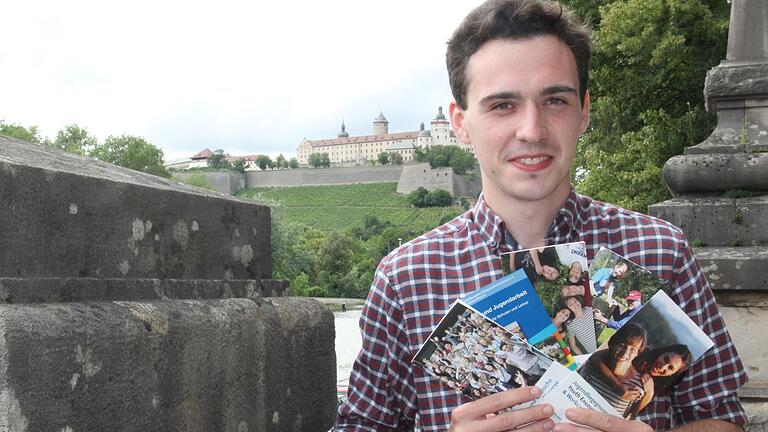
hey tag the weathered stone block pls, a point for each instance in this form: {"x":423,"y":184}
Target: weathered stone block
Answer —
{"x":718,"y":221}
{"x":65,"y":215}
{"x":225,"y":365}
{"x":745,"y":324}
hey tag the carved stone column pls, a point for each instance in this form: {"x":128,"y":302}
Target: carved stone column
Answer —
{"x":721,"y":188}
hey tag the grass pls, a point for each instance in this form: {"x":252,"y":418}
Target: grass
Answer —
{"x":342,"y":207}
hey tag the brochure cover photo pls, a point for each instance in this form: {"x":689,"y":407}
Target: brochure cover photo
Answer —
{"x":645,"y":356}
{"x":619,"y":289}
{"x":477,"y":357}
{"x":513,"y":303}
{"x":560,"y":278}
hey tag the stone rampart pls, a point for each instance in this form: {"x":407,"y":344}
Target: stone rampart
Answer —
{"x":323,"y":176}
{"x":409,"y":177}
{"x":129,"y":302}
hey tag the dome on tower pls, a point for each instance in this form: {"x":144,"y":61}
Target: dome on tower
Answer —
{"x":343,"y":133}
{"x":423,"y":132}
{"x":440,"y":115}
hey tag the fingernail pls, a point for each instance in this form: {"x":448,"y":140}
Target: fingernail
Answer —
{"x":557,"y":428}
{"x":548,"y":425}
{"x":572,"y":414}
{"x":535,"y":391}
{"x":547,"y":410}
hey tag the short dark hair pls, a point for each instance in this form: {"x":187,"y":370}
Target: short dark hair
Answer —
{"x":627,"y":334}
{"x":515,"y":19}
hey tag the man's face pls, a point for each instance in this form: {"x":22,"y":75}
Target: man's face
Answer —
{"x":523,"y":117}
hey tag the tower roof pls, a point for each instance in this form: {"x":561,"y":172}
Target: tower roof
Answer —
{"x":440,"y":115}
{"x":343,"y":133}
{"x":381,"y":118}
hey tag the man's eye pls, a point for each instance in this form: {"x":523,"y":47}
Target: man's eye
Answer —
{"x":503,"y":106}
{"x":556,"y":101}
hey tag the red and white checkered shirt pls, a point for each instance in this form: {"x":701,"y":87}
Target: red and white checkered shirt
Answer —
{"x":416,"y":284}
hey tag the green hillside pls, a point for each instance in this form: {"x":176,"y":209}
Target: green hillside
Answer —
{"x":343,"y":207}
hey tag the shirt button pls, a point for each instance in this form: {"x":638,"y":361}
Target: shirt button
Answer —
{"x":493,"y":244}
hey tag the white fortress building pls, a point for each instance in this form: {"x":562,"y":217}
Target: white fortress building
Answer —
{"x":363,"y":148}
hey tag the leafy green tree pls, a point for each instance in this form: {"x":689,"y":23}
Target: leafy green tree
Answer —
{"x":383,"y":158}
{"x":318,"y":160}
{"x":649,"y":64}
{"x":395,"y":158}
{"x":418,"y":197}
{"x":218,"y":161}
{"x":30,"y":134}
{"x":74,"y":139}
{"x":281,"y":162}
{"x":439,"y":198}
{"x":420,"y":155}
{"x":264,"y":162}
{"x":239,"y":165}
{"x":131,"y":152}
{"x":450,"y":156}
{"x":293,"y":163}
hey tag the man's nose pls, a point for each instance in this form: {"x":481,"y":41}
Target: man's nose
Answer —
{"x":532,"y":128}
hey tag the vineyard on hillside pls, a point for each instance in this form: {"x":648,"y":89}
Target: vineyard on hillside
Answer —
{"x":343,"y":207}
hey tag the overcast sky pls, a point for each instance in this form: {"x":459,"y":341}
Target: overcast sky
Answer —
{"x":249,"y":77}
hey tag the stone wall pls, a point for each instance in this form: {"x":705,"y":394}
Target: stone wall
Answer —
{"x":323,"y":176}
{"x":129,"y":302}
{"x":409,"y":177}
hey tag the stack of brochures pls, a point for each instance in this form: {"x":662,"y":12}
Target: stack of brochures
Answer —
{"x":605,"y":337}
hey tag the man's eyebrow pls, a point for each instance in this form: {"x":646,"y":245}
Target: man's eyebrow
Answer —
{"x":498,"y":96}
{"x":549,"y":91}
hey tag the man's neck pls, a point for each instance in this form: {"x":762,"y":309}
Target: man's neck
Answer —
{"x":527,"y":221}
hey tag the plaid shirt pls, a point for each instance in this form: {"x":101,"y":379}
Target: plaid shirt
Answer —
{"x":416,"y":284}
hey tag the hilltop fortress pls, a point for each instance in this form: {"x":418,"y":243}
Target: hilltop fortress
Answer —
{"x":363,"y":148}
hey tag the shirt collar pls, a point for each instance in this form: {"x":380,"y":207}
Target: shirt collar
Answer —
{"x":564,"y":228}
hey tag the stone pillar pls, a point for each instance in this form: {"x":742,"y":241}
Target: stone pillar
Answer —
{"x":129,"y":302}
{"x":721,"y":189}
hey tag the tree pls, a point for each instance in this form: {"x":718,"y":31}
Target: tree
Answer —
{"x":317,"y":160}
{"x":649,"y":64}
{"x":449,"y":156}
{"x":218,"y":161}
{"x":74,"y":139}
{"x":436,"y":198}
{"x":439,"y":198}
{"x":17,"y":131}
{"x":280,"y":162}
{"x":293,"y":163}
{"x":418,"y":197}
{"x":131,"y":152}
{"x":383,"y":158}
{"x":395,"y":158}
{"x":264,"y":162}
{"x":239,"y":165}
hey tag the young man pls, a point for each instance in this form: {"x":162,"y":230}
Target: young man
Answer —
{"x":518,"y":72}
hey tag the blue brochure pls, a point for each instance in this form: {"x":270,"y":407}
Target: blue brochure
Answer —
{"x":513,"y":303}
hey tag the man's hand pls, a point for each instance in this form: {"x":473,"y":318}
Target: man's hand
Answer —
{"x":480,"y":415}
{"x":589,"y":420}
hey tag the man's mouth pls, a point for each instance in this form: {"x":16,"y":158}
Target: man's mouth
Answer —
{"x":531,"y":163}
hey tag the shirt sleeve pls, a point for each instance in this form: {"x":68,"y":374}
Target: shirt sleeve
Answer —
{"x":708,"y":389}
{"x":381,"y":395}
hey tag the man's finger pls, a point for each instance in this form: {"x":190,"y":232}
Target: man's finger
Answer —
{"x":494,"y":403}
{"x":538,"y":414}
{"x":595,"y":419}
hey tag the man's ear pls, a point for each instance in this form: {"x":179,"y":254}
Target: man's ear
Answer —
{"x":457,"y":122}
{"x":585,"y":113}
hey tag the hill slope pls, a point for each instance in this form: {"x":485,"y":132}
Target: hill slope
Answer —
{"x":343,"y":207}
